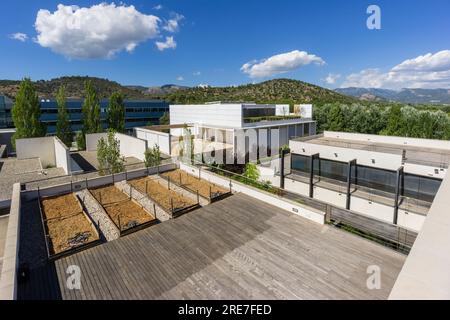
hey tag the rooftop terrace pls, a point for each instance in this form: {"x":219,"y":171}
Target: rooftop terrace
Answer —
{"x":237,"y":248}
{"x":413,"y":154}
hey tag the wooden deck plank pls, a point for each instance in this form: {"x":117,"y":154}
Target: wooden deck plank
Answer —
{"x":237,"y":248}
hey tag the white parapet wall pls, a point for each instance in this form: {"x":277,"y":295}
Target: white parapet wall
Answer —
{"x":51,"y":151}
{"x":8,"y":276}
{"x":154,"y":138}
{"x":129,"y":146}
{"x":426,"y":272}
{"x":288,"y":205}
{"x":364,"y":157}
{"x":401,"y":141}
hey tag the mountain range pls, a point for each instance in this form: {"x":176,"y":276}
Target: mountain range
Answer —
{"x":412,"y":96}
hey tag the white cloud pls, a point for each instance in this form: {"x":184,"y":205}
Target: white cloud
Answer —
{"x":427,"y":71}
{"x":180,"y":78}
{"x":280,"y":63}
{"x":168,"y":44}
{"x":173,"y":25}
{"x":203,"y":85}
{"x":99,"y":31}
{"x":196,"y":73}
{"x":19,"y":36}
{"x":331,"y":78}
{"x":158,"y":7}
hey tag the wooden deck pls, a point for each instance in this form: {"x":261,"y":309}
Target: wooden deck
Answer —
{"x":237,"y":248}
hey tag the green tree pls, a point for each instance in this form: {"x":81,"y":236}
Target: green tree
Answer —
{"x":251,"y":171}
{"x":152,"y":157}
{"x":395,"y":125}
{"x":165,"y":119}
{"x":26,"y":113}
{"x":116,"y":112}
{"x":108,"y":155}
{"x":335,"y":120}
{"x":91,"y":114}
{"x":63,"y":128}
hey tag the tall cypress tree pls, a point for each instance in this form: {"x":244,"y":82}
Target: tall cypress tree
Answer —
{"x":63,"y":129}
{"x":91,"y":114}
{"x":116,"y":112}
{"x":26,"y":113}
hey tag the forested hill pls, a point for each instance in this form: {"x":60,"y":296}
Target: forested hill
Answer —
{"x":272,"y":91}
{"x":74,"y":88}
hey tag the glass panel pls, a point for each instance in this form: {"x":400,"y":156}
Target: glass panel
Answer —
{"x":422,"y":188}
{"x":300,"y":163}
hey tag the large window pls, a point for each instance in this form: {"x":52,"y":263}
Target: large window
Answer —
{"x":422,"y":188}
{"x":258,"y":112}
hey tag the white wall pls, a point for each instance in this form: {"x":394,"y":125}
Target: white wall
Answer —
{"x":414,"y":142}
{"x":282,"y":109}
{"x":50,"y":150}
{"x":153,"y":138}
{"x":92,"y":140}
{"x":62,"y":156}
{"x":425,"y":170}
{"x":129,"y":146}
{"x":42,"y":148}
{"x":216,"y":115}
{"x":364,"y":157}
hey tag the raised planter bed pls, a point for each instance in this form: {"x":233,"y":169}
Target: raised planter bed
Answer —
{"x":205,"y":189}
{"x":67,"y":227}
{"x":125,"y":212}
{"x":169,"y":200}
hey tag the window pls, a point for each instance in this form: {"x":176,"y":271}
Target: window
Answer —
{"x":422,"y":188}
{"x":306,"y":129}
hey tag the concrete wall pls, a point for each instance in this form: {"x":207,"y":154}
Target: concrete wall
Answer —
{"x":62,"y":156}
{"x":364,"y":157}
{"x":425,"y":170}
{"x":92,"y":140}
{"x":291,"y":206}
{"x":42,"y":148}
{"x":8,"y":276}
{"x":50,"y":150}
{"x":153,"y":138}
{"x":216,"y":115}
{"x":129,"y":146}
{"x":415,"y":142}
{"x":425,"y":274}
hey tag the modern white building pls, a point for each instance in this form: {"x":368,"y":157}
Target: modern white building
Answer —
{"x":245,"y":126}
{"x":392,"y":179}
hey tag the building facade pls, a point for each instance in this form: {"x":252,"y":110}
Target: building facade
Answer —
{"x":137,"y":113}
{"x":248,"y":127}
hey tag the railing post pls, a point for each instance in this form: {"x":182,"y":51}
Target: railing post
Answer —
{"x":351,"y":163}
{"x":397,"y":194}
{"x":171,"y":205}
{"x":311,"y":174}
{"x":198,"y":198}
{"x":168,"y":183}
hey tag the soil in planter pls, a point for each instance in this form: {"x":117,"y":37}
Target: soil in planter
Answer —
{"x":195,"y":184}
{"x":160,"y":194}
{"x":124,"y":211}
{"x":68,"y":227}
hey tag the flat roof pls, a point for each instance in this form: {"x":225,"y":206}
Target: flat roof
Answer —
{"x":416,"y":155}
{"x":236,"y":248}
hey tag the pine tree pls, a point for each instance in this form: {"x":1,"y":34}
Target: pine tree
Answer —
{"x":63,"y":128}
{"x":116,"y":112}
{"x":26,"y":113}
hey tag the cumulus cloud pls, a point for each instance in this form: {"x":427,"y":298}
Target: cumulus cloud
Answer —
{"x":331,"y":78}
{"x":168,"y":44}
{"x":180,"y":78}
{"x":196,"y":73}
{"x":173,"y":24}
{"x":158,"y":7}
{"x":426,"y":71}
{"x":99,"y":31}
{"x":280,"y":63}
{"x":19,"y":36}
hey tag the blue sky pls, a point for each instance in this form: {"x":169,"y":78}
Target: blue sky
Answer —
{"x":317,"y":40}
